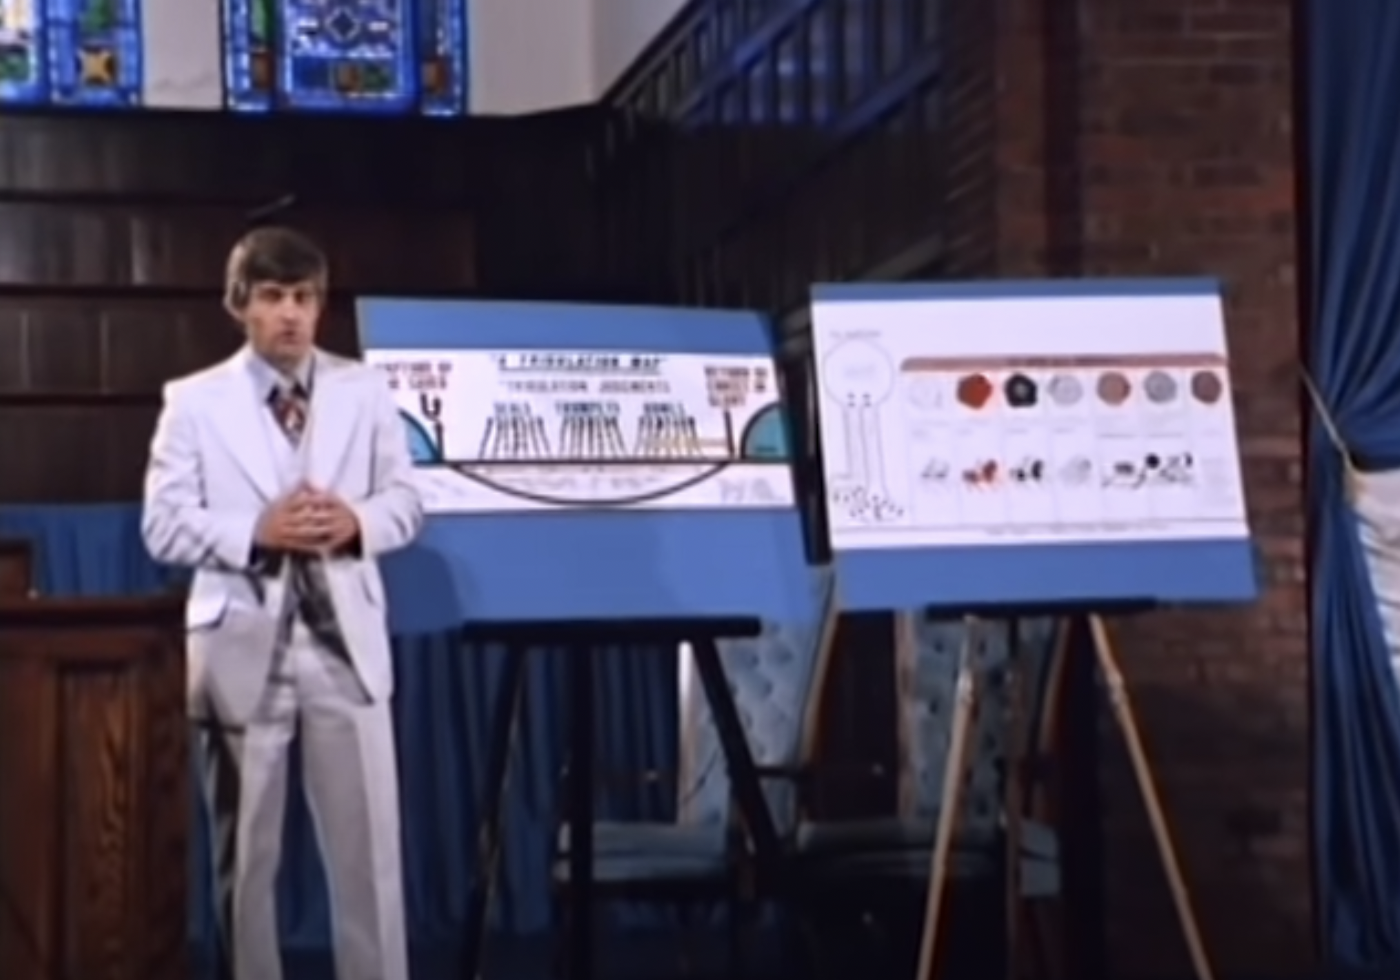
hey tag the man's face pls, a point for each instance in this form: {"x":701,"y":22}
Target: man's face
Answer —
{"x":281,"y":319}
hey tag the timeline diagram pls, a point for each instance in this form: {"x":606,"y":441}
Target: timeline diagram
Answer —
{"x":1000,"y":428}
{"x":858,"y":378}
{"x":515,"y":432}
{"x":524,"y":430}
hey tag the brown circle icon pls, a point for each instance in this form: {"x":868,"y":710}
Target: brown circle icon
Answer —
{"x":1114,"y":388}
{"x":1206,"y":387}
{"x":975,"y":391}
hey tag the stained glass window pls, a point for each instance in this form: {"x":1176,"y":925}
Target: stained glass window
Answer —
{"x":248,"y":29}
{"x":346,"y":55}
{"x":393,"y":56}
{"x":70,"y":52}
{"x":442,"y":34}
{"x":94,"y":52}
{"x":23,"y":74}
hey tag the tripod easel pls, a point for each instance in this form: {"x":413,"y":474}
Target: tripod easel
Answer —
{"x":958,"y":759}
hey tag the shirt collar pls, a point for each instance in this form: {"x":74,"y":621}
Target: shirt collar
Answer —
{"x":269,"y":379}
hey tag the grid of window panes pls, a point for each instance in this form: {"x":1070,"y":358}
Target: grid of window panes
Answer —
{"x":70,"y":52}
{"x":346,"y":55}
{"x":387,"y":56}
{"x":815,"y":126}
{"x":781,"y":61}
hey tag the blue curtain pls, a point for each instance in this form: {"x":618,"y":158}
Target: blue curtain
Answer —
{"x":442,"y":711}
{"x":1354,"y":124}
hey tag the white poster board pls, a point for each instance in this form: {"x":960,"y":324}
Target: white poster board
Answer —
{"x":1054,"y":419}
{"x":503,"y":431}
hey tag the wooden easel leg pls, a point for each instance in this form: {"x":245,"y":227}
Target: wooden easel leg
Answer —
{"x":1123,"y":714}
{"x":1013,"y":791}
{"x":950,"y":801}
{"x":1039,"y":798}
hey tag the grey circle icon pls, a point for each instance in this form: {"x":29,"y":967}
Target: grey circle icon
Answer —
{"x":1160,"y":387}
{"x":1065,"y":390}
{"x":1077,"y":471}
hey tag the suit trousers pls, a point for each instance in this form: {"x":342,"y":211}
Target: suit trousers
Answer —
{"x":351,"y":780}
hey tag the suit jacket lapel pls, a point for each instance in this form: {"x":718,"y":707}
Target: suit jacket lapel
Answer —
{"x":334,"y":414}
{"x":242,"y":423}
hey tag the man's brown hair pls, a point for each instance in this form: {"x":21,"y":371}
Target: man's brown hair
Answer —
{"x":272,"y":254}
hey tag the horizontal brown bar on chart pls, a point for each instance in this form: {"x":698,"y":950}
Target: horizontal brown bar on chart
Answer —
{"x":912,"y":365}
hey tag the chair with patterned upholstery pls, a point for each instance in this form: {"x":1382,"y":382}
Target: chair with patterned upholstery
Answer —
{"x":1013,"y":663}
{"x":699,"y":861}
{"x":926,"y":672}
{"x":865,"y":862}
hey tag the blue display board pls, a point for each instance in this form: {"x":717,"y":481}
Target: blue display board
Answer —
{"x":1030,"y":444}
{"x":590,"y":464}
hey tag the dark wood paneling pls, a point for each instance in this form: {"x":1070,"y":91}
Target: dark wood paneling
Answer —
{"x":16,"y":568}
{"x":803,"y":146}
{"x":74,"y":453}
{"x":95,"y":813}
{"x":122,"y":347}
{"x":56,"y":346}
{"x":80,"y":382}
{"x":155,"y":157}
{"x":538,"y":216}
{"x":114,"y":233}
{"x":70,"y":247}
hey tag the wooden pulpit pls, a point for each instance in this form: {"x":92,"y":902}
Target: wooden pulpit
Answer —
{"x":16,"y":568}
{"x":94,"y":789}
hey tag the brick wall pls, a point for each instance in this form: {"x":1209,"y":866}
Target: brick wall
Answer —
{"x":1153,"y":137}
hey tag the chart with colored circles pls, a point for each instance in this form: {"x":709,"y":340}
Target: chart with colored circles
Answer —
{"x":1066,"y":420}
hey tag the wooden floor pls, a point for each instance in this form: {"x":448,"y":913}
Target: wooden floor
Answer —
{"x":655,"y":957}
{"x":847,"y":948}
{"x":636,"y":958}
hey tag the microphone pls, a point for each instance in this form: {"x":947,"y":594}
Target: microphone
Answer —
{"x":261,"y":214}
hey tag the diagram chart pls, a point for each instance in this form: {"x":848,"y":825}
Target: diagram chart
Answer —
{"x":859,"y":379}
{"x":522,"y":430}
{"x":1068,"y":419}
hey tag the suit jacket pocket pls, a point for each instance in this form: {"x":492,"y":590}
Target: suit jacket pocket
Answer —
{"x":205,"y":611}
{"x":372,"y":586}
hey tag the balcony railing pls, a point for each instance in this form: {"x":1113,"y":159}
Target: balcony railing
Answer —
{"x":778,"y":142}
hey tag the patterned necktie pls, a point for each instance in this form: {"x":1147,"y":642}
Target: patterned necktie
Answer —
{"x":308,"y":577}
{"x":289,"y":407}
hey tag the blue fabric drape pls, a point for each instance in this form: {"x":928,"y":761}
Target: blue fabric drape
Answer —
{"x":442,"y":712}
{"x":1354,"y":116}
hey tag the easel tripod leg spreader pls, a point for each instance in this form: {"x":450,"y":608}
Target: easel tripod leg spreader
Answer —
{"x":965,"y":706}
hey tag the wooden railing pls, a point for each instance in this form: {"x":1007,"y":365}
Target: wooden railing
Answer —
{"x":761,"y":145}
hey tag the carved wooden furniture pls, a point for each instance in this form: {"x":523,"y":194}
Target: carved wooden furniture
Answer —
{"x":94,"y":813}
{"x":16,"y":568}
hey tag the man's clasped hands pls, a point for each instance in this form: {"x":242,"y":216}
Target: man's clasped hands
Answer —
{"x":307,"y":521}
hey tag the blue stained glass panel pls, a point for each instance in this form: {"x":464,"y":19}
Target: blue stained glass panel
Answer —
{"x":94,"y":52}
{"x":442,"y":33}
{"x":248,"y":54}
{"x":355,"y":55}
{"x":23,"y":52}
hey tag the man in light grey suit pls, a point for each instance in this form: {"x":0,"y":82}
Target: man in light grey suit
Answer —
{"x":280,"y":476}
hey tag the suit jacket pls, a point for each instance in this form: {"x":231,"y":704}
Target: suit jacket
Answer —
{"x":211,"y":474}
